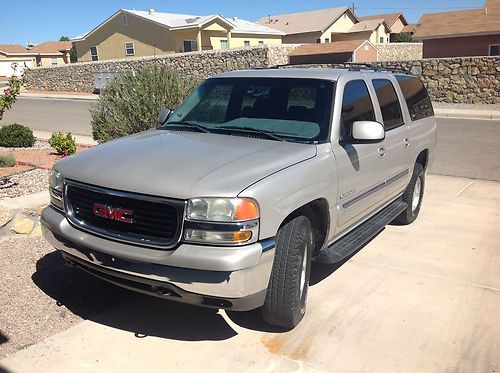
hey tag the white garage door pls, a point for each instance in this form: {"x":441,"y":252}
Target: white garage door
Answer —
{"x":6,"y":67}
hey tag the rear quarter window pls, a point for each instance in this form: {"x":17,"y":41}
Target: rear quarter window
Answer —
{"x":389,"y":103}
{"x":416,"y":97}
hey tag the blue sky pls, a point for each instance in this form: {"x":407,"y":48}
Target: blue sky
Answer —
{"x":42,"y":20}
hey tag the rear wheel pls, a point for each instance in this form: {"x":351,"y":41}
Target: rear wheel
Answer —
{"x":286,"y":298}
{"x":413,"y":196}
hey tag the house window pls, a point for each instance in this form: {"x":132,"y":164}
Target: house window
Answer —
{"x":261,"y":42}
{"x":54,"y":61}
{"x":129,"y":49}
{"x":495,"y":50}
{"x":318,"y":41}
{"x":223,"y":44}
{"x":246,"y":43}
{"x":327,"y":40}
{"x":381,"y":39}
{"x":125,"y":20}
{"x":93,"y":54}
{"x":190,"y":45}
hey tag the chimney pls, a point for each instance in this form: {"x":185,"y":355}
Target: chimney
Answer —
{"x":151,"y":11}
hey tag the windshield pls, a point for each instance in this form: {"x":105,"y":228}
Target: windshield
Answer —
{"x":291,"y":109}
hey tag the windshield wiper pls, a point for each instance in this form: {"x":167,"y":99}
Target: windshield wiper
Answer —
{"x":194,"y":125}
{"x":269,"y":134}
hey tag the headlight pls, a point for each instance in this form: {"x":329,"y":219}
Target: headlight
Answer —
{"x":222,"y":221}
{"x":56,"y":183}
{"x":222,"y":209}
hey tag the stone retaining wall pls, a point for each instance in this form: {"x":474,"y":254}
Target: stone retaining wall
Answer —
{"x":79,"y":77}
{"x":399,"y":51}
{"x":472,"y":80}
{"x":458,"y":80}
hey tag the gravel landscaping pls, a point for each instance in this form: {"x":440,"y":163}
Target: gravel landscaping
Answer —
{"x":39,"y":144}
{"x":40,"y":296}
{"x":28,"y":182}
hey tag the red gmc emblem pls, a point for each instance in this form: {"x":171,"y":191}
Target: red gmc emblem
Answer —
{"x":112,"y":213}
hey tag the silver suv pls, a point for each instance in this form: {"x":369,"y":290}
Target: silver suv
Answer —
{"x":255,"y":175}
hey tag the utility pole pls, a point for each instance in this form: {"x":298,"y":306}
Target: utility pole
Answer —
{"x":353,"y":8}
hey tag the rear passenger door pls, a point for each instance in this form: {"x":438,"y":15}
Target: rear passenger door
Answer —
{"x":360,"y":166}
{"x":397,"y":135}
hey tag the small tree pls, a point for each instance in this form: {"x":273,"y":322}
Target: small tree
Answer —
{"x":403,"y":37}
{"x":131,"y":102}
{"x":11,"y":92}
{"x":64,"y":38}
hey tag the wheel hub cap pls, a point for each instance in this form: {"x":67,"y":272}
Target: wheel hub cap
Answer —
{"x":416,"y":195}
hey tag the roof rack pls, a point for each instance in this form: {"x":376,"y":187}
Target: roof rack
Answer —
{"x":358,"y":66}
{"x":351,"y":66}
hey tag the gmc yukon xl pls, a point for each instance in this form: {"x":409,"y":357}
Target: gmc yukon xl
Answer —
{"x":256,"y":174}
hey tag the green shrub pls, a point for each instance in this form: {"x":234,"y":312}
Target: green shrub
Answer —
{"x":16,"y":136}
{"x":7,"y":160}
{"x":63,"y":143}
{"x":131,"y":102}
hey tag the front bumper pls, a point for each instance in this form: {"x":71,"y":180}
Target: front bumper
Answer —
{"x":223,"y":277}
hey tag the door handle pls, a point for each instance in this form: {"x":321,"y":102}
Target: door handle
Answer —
{"x":406,"y":142}
{"x":381,"y":151}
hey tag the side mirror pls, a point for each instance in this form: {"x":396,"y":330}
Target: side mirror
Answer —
{"x":367,"y":131}
{"x":163,"y":116}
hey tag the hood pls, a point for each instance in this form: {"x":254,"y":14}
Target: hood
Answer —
{"x":182,"y":164}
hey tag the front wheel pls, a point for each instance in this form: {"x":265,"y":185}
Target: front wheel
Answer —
{"x":413,"y":196}
{"x":286,"y":298}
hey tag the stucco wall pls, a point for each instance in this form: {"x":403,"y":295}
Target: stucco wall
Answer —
{"x":399,"y":51}
{"x":463,"y":46}
{"x":80,"y":76}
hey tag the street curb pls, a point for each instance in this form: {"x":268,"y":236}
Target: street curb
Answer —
{"x":467,"y":114}
{"x":58,"y":97}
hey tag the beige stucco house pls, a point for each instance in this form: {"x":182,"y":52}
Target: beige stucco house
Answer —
{"x":50,"y":53}
{"x":316,"y":26}
{"x":396,"y":22}
{"x":326,"y":26}
{"x":136,"y":33}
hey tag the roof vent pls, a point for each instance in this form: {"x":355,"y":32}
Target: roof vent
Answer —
{"x":192,"y":20}
{"x":151,"y":11}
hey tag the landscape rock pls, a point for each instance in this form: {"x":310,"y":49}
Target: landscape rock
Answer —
{"x":23,"y":225}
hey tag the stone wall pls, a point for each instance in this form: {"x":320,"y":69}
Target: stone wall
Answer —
{"x":79,"y":77}
{"x":458,"y":80}
{"x":399,"y":51}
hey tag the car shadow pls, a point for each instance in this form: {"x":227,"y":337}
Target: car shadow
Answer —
{"x":99,"y":301}
{"x":143,"y":315}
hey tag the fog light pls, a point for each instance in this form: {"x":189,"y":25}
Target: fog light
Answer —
{"x":215,"y":237}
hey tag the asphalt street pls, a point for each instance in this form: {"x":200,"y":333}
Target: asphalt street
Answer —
{"x":465,"y":147}
{"x":42,"y":114}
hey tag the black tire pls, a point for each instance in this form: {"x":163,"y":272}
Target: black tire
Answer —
{"x":409,"y":215}
{"x":285,"y":303}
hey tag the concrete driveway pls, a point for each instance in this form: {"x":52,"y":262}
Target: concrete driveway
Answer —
{"x":420,"y":298}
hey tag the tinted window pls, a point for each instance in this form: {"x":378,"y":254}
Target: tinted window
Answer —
{"x":298,"y":109}
{"x":356,"y":105}
{"x":389,"y":103}
{"x":416,"y":97}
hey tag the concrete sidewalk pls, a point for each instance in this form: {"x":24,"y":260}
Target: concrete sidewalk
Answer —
{"x":60,"y":95}
{"x":418,"y":298}
{"x":467,"y":111}
{"x":80,"y":139}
